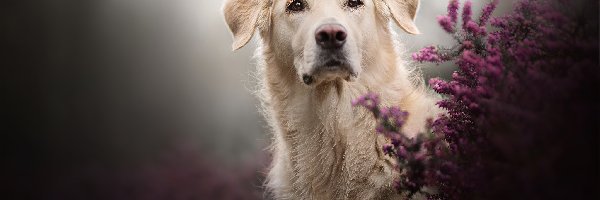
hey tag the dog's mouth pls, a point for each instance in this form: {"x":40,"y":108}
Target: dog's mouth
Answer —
{"x":328,"y":69}
{"x":333,"y":63}
{"x":333,"y":66}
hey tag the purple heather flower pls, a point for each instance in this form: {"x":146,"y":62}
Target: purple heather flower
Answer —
{"x":402,"y":152}
{"x":493,"y":38}
{"x":466,"y":15}
{"x":439,"y":85}
{"x":428,"y":54}
{"x":446,"y":23}
{"x":388,"y":149}
{"x":397,"y":116}
{"x":475,"y":29}
{"x":487,"y":12}
{"x":499,"y":22}
{"x":470,"y":58}
{"x":453,"y":10}
{"x":369,"y":101}
{"x":380,"y":129}
{"x":467,"y":44}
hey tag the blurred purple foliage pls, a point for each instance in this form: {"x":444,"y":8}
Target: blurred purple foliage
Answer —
{"x":179,"y":174}
{"x":521,"y":120}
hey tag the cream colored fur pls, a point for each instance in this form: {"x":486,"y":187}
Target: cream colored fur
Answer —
{"x":323,"y":148}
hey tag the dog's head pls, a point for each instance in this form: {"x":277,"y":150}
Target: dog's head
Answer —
{"x":323,"y":39}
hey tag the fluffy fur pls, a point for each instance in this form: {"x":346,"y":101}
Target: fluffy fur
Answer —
{"x":323,"y":148}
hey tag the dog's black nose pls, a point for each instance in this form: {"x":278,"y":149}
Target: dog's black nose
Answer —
{"x":331,"y":36}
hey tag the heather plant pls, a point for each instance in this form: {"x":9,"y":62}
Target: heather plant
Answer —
{"x":420,"y":160}
{"x":521,"y":109}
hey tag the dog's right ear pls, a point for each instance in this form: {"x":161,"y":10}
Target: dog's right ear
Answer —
{"x":242,"y":18}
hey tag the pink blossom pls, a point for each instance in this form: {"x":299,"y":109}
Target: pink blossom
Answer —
{"x":475,"y":29}
{"x":446,"y":23}
{"x":487,"y":12}
{"x":467,"y":44}
{"x":466,"y":15}
{"x":428,"y":54}
{"x":453,"y":11}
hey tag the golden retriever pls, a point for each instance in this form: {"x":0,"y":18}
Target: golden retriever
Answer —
{"x":315,"y":57}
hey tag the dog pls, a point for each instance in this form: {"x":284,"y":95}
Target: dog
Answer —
{"x":314,"y":58}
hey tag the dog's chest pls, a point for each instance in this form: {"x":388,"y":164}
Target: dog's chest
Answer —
{"x":332,"y":145}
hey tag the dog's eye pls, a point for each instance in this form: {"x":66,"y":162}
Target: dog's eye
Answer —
{"x":355,"y":3}
{"x":296,"y":6}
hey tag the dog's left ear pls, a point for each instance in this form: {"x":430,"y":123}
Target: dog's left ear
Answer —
{"x":404,"y":13}
{"x":242,"y":17}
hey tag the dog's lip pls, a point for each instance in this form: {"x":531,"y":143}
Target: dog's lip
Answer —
{"x":331,"y":66}
{"x":332,"y":63}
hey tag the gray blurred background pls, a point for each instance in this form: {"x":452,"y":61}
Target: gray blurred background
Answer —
{"x":139,"y":99}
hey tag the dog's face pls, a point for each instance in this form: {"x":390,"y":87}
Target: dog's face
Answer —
{"x":323,"y":39}
{"x":325,"y":36}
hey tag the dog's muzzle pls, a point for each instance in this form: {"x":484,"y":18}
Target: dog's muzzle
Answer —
{"x":332,"y":58}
